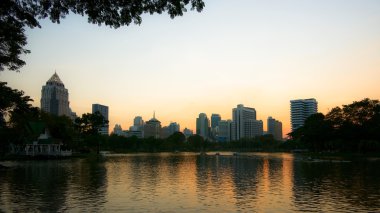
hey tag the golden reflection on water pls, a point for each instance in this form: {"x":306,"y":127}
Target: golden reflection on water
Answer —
{"x":187,"y":182}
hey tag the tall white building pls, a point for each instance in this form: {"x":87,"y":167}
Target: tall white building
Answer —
{"x":55,"y":97}
{"x":300,"y":110}
{"x":274,"y":127}
{"x":203,"y":125}
{"x":244,"y":123}
{"x":103,"y":111}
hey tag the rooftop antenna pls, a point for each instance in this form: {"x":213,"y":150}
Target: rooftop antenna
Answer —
{"x":154,"y":114}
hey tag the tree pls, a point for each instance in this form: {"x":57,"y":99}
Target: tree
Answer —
{"x":90,"y":123}
{"x":196,"y":142}
{"x":15,"y":15}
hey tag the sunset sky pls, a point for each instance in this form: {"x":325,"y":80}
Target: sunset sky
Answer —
{"x":258,"y":53}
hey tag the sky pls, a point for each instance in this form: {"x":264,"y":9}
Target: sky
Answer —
{"x":258,"y":53}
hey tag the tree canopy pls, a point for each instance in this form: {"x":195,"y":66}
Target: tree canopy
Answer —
{"x":15,"y":15}
{"x":353,"y":127}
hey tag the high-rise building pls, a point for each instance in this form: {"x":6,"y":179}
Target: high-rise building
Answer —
{"x":117,"y":130}
{"x":152,"y":128}
{"x":300,"y":110}
{"x":55,"y":97}
{"x":173,"y":127}
{"x":224,"y":131}
{"x":240,"y":127}
{"x":103,"y":110}
{"x":203,"y":125}
{"x":253,"y":128}
{"x":215,"y":118}
{"x":274,"y":127}
{"x":138,"y":121}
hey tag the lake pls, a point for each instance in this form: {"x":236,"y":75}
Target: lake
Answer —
{"x":187,"y":182}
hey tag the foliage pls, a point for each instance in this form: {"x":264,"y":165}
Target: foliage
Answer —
{"x":15,"y":15}
{"x":15,"y":113}
{"x":90,"y":123}
{"x":354,"y":127}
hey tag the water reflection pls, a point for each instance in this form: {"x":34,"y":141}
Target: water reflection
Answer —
{"x":188,"y":182}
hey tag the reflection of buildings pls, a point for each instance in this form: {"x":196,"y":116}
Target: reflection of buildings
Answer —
{"x":300,"y":110}
{"x":54,"y":187}
{"x":55,"y":97}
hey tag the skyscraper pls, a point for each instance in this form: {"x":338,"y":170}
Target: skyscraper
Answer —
{"x":138,"y":121}
{"x":55,"y":97}
{"x":241,"y":125}
{"x":274,"y":127}
{"x":215,"y":118}
{"x":103,"y":111}
{"x":152,"y":128}
{"x":203,"y":125}
{"x":300,"y":110}
{"x":224,"y":133}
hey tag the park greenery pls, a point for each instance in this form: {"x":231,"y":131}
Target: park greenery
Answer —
{"x":16,"y":15}
{"x":351,"y":128}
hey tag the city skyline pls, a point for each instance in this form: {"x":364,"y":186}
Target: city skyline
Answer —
{"x":260,"y":54}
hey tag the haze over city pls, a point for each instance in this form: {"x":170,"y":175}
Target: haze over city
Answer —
{"x":260,"y":54}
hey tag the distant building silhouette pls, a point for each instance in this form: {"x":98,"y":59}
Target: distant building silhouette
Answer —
{"x":244,"y":123}
{"x":224,"y":131}
{"x":300,"y":110}
{"x":138,"y":121}
{"x":103,"y":111}
{"x":203,"y":125}
{"x":274,"y":127}
{"x":55,"y":97}
{"x":152,"y":128}
{"x":215,"y":118}
{"x":117,"y":130}
{"x":187,"y":132}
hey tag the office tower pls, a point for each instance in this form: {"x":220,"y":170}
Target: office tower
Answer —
{"x":103,"y":110}
{"x":274,"y":127}
{"x":173,"y":127}
{"x":55,"y":97}
{"x":240,"y":127}
{"x":224,"y":131}
{"x":152,"y":128}
{"x":300,"y":110}
{"x":215,"y":118}
{"x":138,"y":121}
{"x":253,"y":128}
{"x":203,"y":125}
{"x":117,"y":130}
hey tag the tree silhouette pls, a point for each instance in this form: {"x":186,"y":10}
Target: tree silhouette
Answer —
{"x":15,"y":15}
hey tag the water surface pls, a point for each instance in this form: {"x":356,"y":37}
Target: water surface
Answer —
{"x":187,"y":182}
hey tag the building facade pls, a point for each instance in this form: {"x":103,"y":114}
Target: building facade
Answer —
{"x":152,"y":128}
{"x":274,"y":127}
{"x":203,"y":126}
{"x":240,"y":116}
{"x":300,"y":110}
{"x":224,"y":131}
{"x":103,"y":110}
{"x":55,"y":97}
